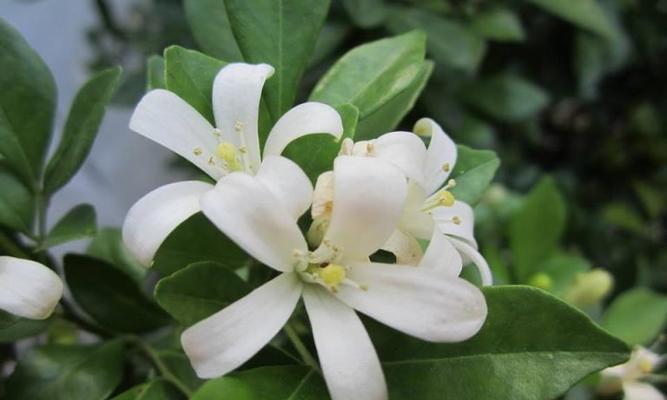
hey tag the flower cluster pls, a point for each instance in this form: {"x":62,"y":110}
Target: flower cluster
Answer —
{"x":391,"y":194}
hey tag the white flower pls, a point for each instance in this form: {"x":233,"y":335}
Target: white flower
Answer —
{"x":232,"y":145}
{"x":428,"y":302}
{"x":628,"y":377}
{"x":431,"y":209}
{"x":27,"y":288}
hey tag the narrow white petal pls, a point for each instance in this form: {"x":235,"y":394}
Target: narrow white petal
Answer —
{"x":470,"y":254}
{"x":250,"y":214}
{"x":403,"y":149}
{"x":287,"y":182}
{"x":442,"y":255}
{"x":27,"y":288}
{"x":641,"y":391}
{"x":350,"y":365}
{"x":405,"y":247}
{"x":368,"y":198}
{"x":323,"y":195}
{"x":426,"y":303}
{"x":157,"y":214}
{"x":230,"y":337}
{"x":237,"y":91}
{"x":440,"y":156}
{"x":304,"y":119}
{"x":168,"y":120}
{"x":413,"y":221}
{"x":457,"y":220}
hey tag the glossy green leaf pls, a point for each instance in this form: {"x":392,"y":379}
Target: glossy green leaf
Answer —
{"x":110,"y":296}
{"x":473,"y":172}
{"x":500,"y":24}
{"x":450,"y":42}
{"x":331,"y":38}
{"x":506,"y":97}
{"x":83,"y":122}
{"x":370,"y":75}
{"x":210,"y":26}
{"x":179,"y":365}
{"x":190,"y":75}
{"x":78,"y":223}
{"x":155,"y":73}
{"x":315,"y":153}
{"x":108,"y":245}
{"x":386,"y":118}
{"x":366,"y":13}
{"x":197,"y":239}
{"x":636,"y":316}
{"x":198,"y":291}
{"x":16,"y":203}
{"x":281,"y":33}
{"x":154,"y":390}
{"x":535,"y":231}
{"x":58,"y":372}
{"x":27,"y":105}
{"x":586,"y":14}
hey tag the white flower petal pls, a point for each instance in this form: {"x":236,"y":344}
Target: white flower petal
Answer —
{"x":350,"y":365}
{"x":442,"y":255}
{"x":457,"y":220}
{"x":470,"y":254}
{"x":413,"y":221}
{"x":641,"y":391}
{"x":368,"y":199}
{"x":403,"y":149}
{"x":440,"y":156}
{"x":323,"y":195}
{"x":288,"y":182}
{"x":168,"y":120}
{"x":304,"y":119}
{"x":28,"y":289}
{"x":157,"y":214}
{"x":405,"y":247}
{"x":426,"y":303}
{"x":250,"y":214}
{"x":230,"y":337}
{"x":237,"y":91}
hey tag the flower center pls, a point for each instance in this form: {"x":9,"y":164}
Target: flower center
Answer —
{"x":230,"y":155}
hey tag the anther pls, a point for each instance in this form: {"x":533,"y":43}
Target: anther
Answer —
{"x":197,"y":151}
{"x":456,"y":220}
{"x":238,"y":126}
{"x":228,"y":153}
{"x":445,"y":167}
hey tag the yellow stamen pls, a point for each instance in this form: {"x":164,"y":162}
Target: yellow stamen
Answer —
{"x":332,"y":275}
{"x":456,"y":220}
{"x":229,"y":154}
{"x":445,"y":167}
{"x":197,"y":151}
{"x":446,"y":198}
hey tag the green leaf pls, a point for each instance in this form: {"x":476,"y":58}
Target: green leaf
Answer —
{"x":562,"y":270}
{"x":473,"y":172}
{"x":16,"y":203}
{"x":281,"y":33}
{"x":27,"y":105}
{"x":331,"y":38}
{"x":636,"y":316}
{"x":7,"y":319}
{"x":81,"y":128}
{"x":58,"y":372}
{"x":21,"y":328}
{"x":110,"y":296}
{"x":386,"y":118}
{"x":155,"y":73}
{"x":190,"y":74}
{"x":366,"y":13}
{"x":108,"y":245}
{"x":154,"y":390}
{"x":179,"y":365}
{"x":450,"y":42}
{"x":500,"y":24}
{"x":506,"y":97}
{"x":78,"y":223}
{"x":210,"y":26}
{"x":315,"y":153}
{"x":370,"y":75}
{"x":198,"y":291}
{"x":536,"y":229}
{"x":586,"y":14}
{"x":197,"y":239}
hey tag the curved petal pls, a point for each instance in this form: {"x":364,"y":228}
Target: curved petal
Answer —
{"x":304,"y":119}
{"x":457,"y":220}
{"x":422,"y":302}
{"x":323,"y":196}
{"x":470,"y":254}
{"x":253,"y":217}
{"x":230,"y":337}
{"x":350,"y":365}
{"x":641,"y":391}
{"x":413,"y":221}
{"x":441,"y":255}
{"x":237,"y":90}
{"x":168,"y":120}
{"x":405,"y":247}
{"x":440,"y":156}
{"x":27,"y":288}
{"x":287,"y":182}
{"x":404,"y":150}
{"x":157,"y":214}
{"x":368,"y":198}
